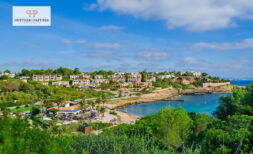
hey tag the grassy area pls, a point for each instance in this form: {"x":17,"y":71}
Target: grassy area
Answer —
{"x":124,"y":99}
{"x":23,"y":109}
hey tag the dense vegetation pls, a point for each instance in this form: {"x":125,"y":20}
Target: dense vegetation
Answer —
{"x":19,"y":136}
{"x":169,"y":131}
{"x":175,"y":130}
{"x":14,"y":92}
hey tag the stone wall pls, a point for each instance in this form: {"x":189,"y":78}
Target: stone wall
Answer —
{"x":207,"y":85}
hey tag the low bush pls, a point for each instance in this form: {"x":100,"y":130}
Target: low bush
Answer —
{"x":98,"y":126}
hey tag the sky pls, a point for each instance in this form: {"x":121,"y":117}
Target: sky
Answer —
{"x":213,"y":36}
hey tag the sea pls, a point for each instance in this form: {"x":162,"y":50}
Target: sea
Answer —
{"x":198,"y":103}
{"x":241,"y":82}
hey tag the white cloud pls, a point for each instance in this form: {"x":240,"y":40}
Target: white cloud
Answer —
{"x":153,"y":54}
{"x":90,"y":7}
{"x":94,"y":45}
{"x":111,"y":27}
{"x":104,"y":46}
{"x":195,"y":15}
{"x":103,"y":54}
{"x":244,"y":44}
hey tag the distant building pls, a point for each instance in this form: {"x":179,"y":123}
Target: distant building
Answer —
{"x":147,"y":84}
{"x":151,"y":79}
{"x":24,"y":80}
{"x":98,"y":82}
{"x":10,"y":75}
{"x":81,"y":76}
{"x":135,"y":77}
{"x":168,"y":76}
{"x":197,"y":74}
{"x":82,"y":83}
{"x":44,"y":83}
{"x":24,"y":77}
{"x":74,"y":112}
{"x":117,"y":77}
{"x":61,"y":83}
{"x":123,"y":84}
{"x":52,"y":77}
{"x":98,"y":77}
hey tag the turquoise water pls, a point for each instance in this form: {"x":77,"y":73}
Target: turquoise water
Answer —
{"x":199,"y":103}
{"x":241,"y":82}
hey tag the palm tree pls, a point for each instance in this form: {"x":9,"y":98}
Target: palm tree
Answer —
{"x":98,"y":101}
{"x":47,"y":103}
{"x":40,"y":99}
{"x":82,"y":104}
{"x":91,"y":103}
{"x":104,"y":98}
{"x":59,"y":99}
{"x":102,"y":110}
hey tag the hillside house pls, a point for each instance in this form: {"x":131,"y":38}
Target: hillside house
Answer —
{"x":135,"y":77}
{"x":81,"y":83}
{"x":51,"y":77}
{"x":61,"y":83}
{"x":81,"y":76}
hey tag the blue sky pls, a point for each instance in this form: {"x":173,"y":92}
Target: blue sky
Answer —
{"x":132,"y":35}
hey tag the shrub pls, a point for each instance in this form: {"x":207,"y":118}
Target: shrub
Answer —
{"x":98,"y":126}
{"x":112,"y":143}
{"x":113,"y":113}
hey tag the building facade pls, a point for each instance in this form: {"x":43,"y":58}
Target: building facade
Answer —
{"x":51,"y":77}
{"x":81,"y":76}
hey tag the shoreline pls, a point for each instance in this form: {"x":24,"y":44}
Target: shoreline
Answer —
{"x":163,"y":94}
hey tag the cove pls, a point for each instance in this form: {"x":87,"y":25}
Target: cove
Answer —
{"x":198,"y":103}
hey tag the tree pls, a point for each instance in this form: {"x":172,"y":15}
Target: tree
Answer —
{"x":103,"y":110}
{"x":25,"y":72}
{"x":104,"y":98}
{"x":21,"y":136}
{"x":47,"y":103}
{"x":63,"y":71}
{"x":35,"y":111}
{"x":144,"y":76}
{"x":231,"y":136}
{"x":7,"y":71}
{"x":98,"y":102}
{"x":204,"y":74}
{"x":49,"y":71}
{"x":76,"y":71}
{"x":13,"y":86}
{"x":120,"y":93}
{"x":82,"y":104}
{"x":3,"y":88}
{"x":4,"y":77}
{"x":91,"y":103}
{"x":240,"y":102}
{"x":59,"y":100}
{"x":173,"y":127}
